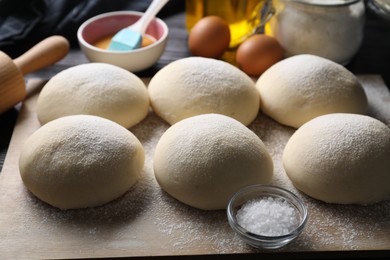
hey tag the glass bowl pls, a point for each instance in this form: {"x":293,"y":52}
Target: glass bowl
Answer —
{"x":266,"y":217}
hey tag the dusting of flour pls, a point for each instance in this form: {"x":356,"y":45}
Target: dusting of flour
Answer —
{"x":147,"y":221}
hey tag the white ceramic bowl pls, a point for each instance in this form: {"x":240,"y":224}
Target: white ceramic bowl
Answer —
{"x":106,"y":24}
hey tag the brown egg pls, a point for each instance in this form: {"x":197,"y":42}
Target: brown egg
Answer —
{"x":257,"y":53}
{"x":210,"y":37}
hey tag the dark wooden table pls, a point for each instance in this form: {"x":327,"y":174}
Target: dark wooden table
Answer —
{"x":372,"y":58}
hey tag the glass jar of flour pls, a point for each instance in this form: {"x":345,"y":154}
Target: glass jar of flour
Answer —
{"x":331,"y":29}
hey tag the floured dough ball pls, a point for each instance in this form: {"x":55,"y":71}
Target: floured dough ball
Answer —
{"x":203,"y":160}
{"x":340,"y":158}
{"x":195,"y":85}
{"x":300,"y":88}
{"x":80,"y":161}
{"x":94,"y":89}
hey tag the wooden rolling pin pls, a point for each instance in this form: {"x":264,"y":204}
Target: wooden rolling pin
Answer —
{"x":12,"y":83}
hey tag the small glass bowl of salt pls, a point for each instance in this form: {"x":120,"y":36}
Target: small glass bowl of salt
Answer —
{"x":266,"y":217}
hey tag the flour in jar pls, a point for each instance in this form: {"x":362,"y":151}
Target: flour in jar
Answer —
{"x":333,"y":30}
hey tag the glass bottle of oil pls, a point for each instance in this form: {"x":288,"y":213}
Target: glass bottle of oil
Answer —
{"x":243,"y":16}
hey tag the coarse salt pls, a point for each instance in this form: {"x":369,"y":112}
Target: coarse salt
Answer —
{"x":268,"y":216}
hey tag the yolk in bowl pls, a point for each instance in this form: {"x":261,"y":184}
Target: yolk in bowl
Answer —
{"x":104,"y":42}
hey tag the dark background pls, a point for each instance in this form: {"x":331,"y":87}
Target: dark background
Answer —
{"x":21,"y":28}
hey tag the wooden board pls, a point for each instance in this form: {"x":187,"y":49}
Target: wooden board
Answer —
{"x":148,"y":222}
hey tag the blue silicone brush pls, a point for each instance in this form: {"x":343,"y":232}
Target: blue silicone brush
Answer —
{"x":130,"y":38}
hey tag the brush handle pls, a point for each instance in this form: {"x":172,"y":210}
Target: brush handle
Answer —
{"x":43,"y":54}
{"x":142,"y":24}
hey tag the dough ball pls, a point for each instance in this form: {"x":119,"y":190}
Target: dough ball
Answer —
{"x":196,"y":85}
{"x":302,"y":87}
{"x":94,"y":89}
{"x":203,"y":160}
{"x":80,"y":161}
{"x":340,"y":158}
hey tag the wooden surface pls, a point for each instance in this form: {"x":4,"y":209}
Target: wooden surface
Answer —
{"x":148,"y":222}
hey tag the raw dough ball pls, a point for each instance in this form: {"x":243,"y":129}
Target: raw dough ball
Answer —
{"x":300,"y":88}
{"x":340,"y":158}
{"x":80,"y":161}
{"x":203,"y":160}
{"x":94,"y":89}
{"x":196,"y":85}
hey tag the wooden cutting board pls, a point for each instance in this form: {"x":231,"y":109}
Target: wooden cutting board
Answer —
{"x":148,"y":222}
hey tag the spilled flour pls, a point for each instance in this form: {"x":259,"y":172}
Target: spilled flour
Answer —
{"x":147,"y":221}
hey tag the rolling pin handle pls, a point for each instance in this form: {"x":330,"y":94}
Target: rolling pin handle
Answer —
{"x":43,"y":54}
